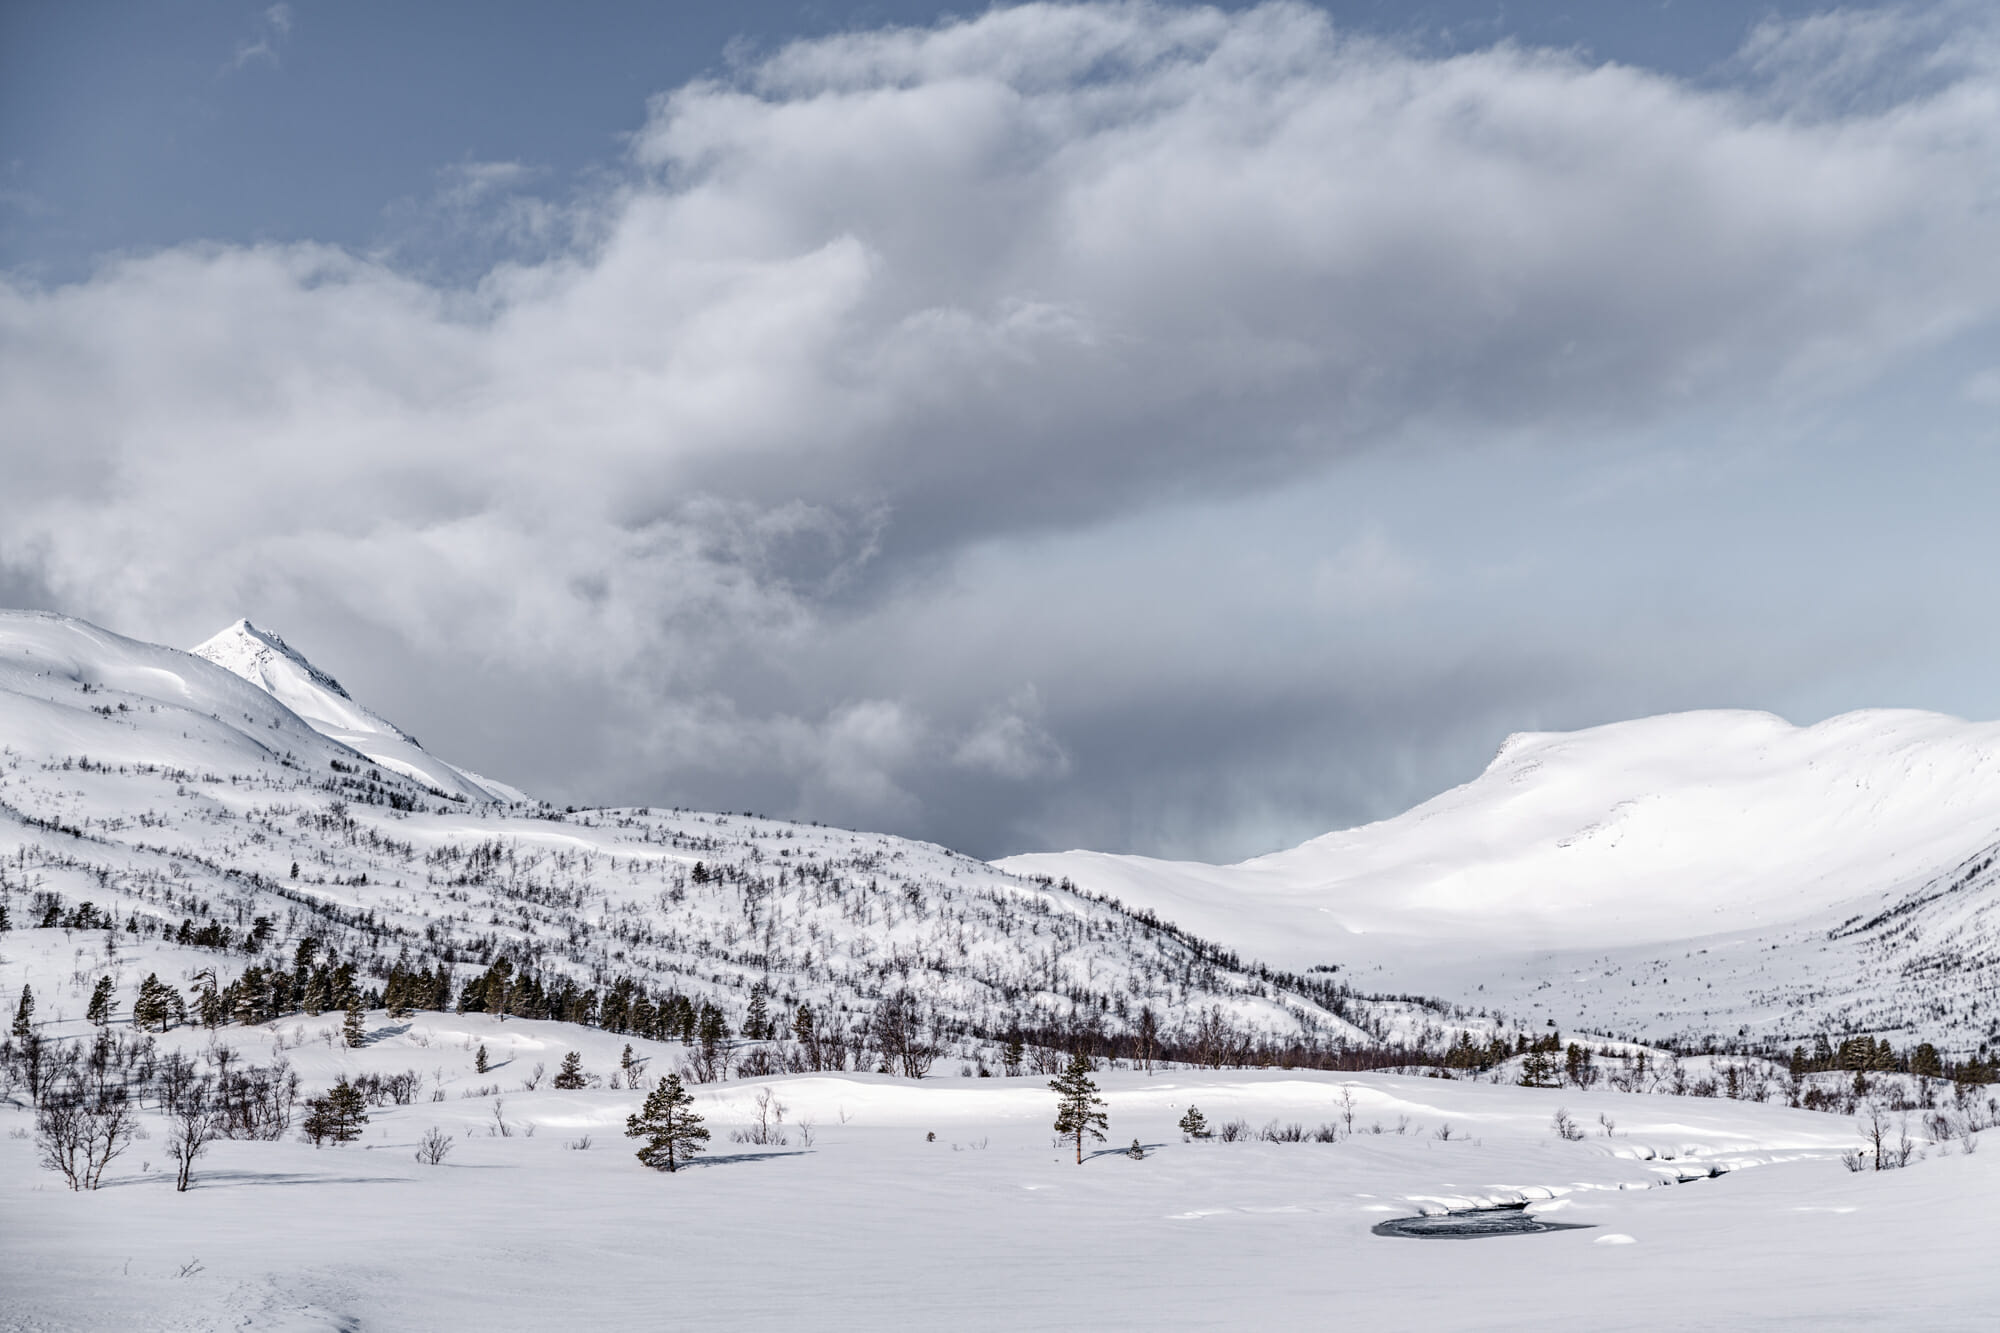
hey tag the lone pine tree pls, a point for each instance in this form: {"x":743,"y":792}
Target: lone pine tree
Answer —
{"x":571,"y":1073}
{"x":99,"y":1011}
{"x":351,"y":1030}
{"x":669,"y":1125}
{"x":1194,"y":1124}
{"x":479,"y":1061}
{"x":24,"y":1013}
{"x":1076,"y":1109}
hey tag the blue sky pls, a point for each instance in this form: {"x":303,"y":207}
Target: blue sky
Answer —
{"x":1128,"y":426}
{"x":145,"y":124}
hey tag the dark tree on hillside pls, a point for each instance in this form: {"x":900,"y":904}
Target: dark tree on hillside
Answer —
{"x":1149,"y":1037}
{"x":901,"y":1035}
{"x":571,"y":1074}
{"x":99,"y":1010}
{"x":1076,"y":1109}
{"x":336,"y":1117}
{"x":757,"y":1025}
{"x":24,"y":1013}
{"x":673,"y":1133}
{"x":1538,"y":1068}
{"x":1194,"y":1124}
{"x":480,"y":1063}
{"x":352,"y":1030}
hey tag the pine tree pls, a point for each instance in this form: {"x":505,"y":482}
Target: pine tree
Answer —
{"x":479,"y":1061}
{"x":396,"y":995}
{"x":336,"y":1117}
{"x":571,"y":1074}
{"x":1011,"y":1057}
{"x":147,"y":1011}
{"x":1076,"y":1112}
{"x":24,"y":1014}
{"x":669,"y":1125}
{"x":1194,"y":1124}
{"x":1538,"y":1068}
{"x":352,"y":1030}
{"x":757,"y":1024}
{"x":99,"y":1010}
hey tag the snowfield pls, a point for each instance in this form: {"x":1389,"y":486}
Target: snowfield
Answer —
{"x":990,"y":1225}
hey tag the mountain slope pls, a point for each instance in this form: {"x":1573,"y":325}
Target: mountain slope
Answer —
{"x":268,"y":662}
{"x":162,"y":788}
{"x":1620,"y":842}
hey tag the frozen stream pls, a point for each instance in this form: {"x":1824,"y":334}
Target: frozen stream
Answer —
{"x":1506,"y":1220}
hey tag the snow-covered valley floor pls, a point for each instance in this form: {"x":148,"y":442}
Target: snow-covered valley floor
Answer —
{"x":989,"y":1225}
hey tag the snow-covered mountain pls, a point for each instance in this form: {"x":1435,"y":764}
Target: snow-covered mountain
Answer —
{"x":1700,"y":874}
{"x":1582,"y":871}
{"x":268,"y":662}
{"x":240,"y":783}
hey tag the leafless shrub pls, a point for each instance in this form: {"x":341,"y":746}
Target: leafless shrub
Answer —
{"x":433,"y":1146}
{"x":1565,"y":1126}
{"x":79,"y":1131}
{"x":192,"y":1127}
{"x":770,"y":1116}
{"x":1235,"y":1131}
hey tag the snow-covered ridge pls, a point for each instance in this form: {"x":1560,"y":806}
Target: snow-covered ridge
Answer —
{"x":268,"y":662}
{"x":1629,"y":839}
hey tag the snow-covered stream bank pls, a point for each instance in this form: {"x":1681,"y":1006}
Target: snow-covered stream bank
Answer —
{"x":989,"y":1225}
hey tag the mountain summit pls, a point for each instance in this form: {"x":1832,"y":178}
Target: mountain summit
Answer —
{"x":280,"y":670}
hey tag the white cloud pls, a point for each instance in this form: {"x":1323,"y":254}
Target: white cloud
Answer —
{"x":890,"y":293}
{"x":1010,"y":742}
{"x":274,"y":27}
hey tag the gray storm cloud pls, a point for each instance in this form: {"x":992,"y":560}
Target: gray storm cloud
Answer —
{"x":887,"y":299}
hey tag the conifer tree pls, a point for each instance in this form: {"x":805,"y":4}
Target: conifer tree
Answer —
{"x":336,"y":1117}
{"x":396,"y":995}
{"x":99,"y":1011}
{"x":479,"y":1061}
{"x":1194,"y":1124}
{"x":1538,"y":1068}
{"x":24,"y":1013}
{"x":1076,"y":1111}
{"x":571,"y":1074}
{"x":757,"y":1024}
{"x":669,"y":1125}
{"x":352,"y":1030}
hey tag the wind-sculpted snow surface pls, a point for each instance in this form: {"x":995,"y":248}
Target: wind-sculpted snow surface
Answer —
{"x":163,"y":788}
{"x":1693,"y":873}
